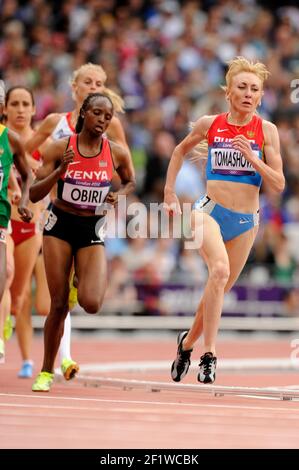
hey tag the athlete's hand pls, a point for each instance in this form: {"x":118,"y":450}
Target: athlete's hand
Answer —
{"x":243,"y":145}
{"x":16,"y":196}
{"x":171,"y":203}
{"x":67,"y":158}
{"x":112,"y":198}
{"x":25,"y":213}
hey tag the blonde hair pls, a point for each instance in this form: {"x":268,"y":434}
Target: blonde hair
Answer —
{"x":86,"y":67}
{"x":240,"y":64}
{"x":117,"y":101}
{"x":237,"y":65}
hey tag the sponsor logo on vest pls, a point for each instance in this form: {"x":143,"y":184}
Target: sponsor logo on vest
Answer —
{"x":244,"y":221}
{"x":228,"y":139}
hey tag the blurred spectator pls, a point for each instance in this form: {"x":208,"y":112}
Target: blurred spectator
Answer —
{"x":290,"y":302}
{"x":284,"y":263}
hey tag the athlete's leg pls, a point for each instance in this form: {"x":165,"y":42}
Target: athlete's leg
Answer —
{"x":65,"y":343}
{"x":208,"y":240}
{"x":238,"y":251}
{"x":5,"y":303}
{"x":42,"y":294}
{"x":24,"y":328}
{"x":25,"y":255}
{"x":58,"y":261}
{"x":214,"y":254}
{"x":43,"y":303}
{"x":91,"y":270}
{"x":25,"y":339}
{"x":2,"y":267}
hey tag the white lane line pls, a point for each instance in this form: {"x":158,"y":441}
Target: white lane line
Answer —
{"x":125,"y":410}
{"x":144,"y":402}
{"x":243,"y":364}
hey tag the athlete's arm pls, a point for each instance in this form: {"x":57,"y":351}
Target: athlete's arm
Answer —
{"x":272,"y":170}
{"x":55,"y":162}
{"x":197,"y":134}
{"x":124,"y":167}
{"x":14,"y":188}
{"x":42,"y":132}
{"x":25,"y":173}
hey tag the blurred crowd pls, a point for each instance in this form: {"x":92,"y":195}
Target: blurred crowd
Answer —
{"x":167,"y":59}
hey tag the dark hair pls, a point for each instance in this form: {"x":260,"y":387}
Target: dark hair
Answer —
{"x":85,"y":105}
{"x":18,"y":87}
{"x":3,"y":117}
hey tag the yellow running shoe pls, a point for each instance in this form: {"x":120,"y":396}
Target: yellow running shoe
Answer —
{"x":73,"y":294}
{"x":43,"y":382}
{"x":69,"y":368}
{"x":7,"y":328}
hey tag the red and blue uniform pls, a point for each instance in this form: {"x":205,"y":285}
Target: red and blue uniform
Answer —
{"x":226,"y":163}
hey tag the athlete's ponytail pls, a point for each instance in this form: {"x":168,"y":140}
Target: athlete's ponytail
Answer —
{"x":117,"y":101}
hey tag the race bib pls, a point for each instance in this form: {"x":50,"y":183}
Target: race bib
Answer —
{"x":51,"y":221}
{"x":84,"y":196}
{"x":226,"y":160}
{"x":3,"y":234}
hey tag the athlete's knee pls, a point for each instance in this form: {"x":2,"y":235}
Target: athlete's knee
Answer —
{"x":219,"y":273}
{"x":17,"y":302}
{"x":10,"y":272}
{"x":59,"y":307}
{"x":42,"y":309}
{"x":91,"y":305}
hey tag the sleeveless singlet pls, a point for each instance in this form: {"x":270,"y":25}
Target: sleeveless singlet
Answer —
{"x":87,"y":180}
{"x":63,"y":128}
{"x":226,"y":163}
{"x":6,"y":161}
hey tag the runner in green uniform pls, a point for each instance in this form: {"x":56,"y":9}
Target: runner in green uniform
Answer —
{"x":11,"y":151}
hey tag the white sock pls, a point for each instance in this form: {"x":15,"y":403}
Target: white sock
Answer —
{"x":65,"y":343}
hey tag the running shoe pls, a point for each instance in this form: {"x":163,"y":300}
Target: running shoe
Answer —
{"x":69,"y":368}
{"x":26,"y":370}
{"x":43,"y":382}
{"x":207,"y":368}
{"x":8,"y":327}
{"x":182,"y":362}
